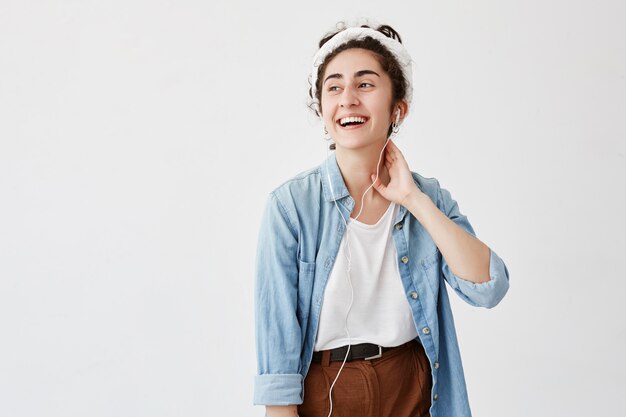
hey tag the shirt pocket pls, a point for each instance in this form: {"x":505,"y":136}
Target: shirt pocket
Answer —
{"x":306,"y":276}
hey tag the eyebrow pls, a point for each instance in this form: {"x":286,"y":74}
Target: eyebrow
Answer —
{"x":356,"y":74}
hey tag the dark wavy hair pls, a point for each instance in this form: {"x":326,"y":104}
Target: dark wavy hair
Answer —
{"x":386,"y":59}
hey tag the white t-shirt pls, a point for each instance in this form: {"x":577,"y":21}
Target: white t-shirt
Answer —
{"x":380,"y":311}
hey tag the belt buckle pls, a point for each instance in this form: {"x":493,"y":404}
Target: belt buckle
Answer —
{"x":380,"y":354}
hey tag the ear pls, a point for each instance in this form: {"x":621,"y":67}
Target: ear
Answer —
{"x":404,"y":109}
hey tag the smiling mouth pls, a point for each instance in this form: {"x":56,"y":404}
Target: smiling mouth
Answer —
{"x":352,"y":122}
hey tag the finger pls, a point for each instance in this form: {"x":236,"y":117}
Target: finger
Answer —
{"x":394,"y":148}
{"x":375,"y":181}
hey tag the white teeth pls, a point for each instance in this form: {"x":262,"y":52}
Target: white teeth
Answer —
{"x":355,"y":119}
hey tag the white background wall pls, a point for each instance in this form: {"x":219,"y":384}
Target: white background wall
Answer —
{"x":139,"y":139}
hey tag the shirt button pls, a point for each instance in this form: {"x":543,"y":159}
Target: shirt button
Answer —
{"x":435,"y":397}
{"x":413,"y":295}
{"x":436,"y":365}
{"x":398,"y":226}
{"x":405,"y":259}
{"x":426,"y":330}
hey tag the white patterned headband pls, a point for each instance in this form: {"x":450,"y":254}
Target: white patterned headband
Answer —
{"x":395,"y":47}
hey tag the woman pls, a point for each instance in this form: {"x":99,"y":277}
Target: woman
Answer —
{"x":352,"y":313}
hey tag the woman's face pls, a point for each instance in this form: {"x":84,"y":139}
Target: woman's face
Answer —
{"x":354,"y":85}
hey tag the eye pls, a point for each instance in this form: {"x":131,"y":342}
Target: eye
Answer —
{"x":333,"y":88}
{"x":366,"y":84}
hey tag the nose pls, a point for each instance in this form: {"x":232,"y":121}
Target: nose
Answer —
{"x":348,"y":97}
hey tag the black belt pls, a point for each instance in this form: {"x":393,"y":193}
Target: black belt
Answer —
{"x":361,"y":351}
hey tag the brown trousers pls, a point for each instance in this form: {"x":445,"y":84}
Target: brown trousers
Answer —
{"x":398,"y":384}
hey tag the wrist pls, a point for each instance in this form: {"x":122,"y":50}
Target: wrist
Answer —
{"x":416,"y":201}
{"x":413,"y":198}
{"x":281,"y":410}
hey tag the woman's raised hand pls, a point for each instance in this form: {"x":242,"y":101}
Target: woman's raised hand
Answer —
{"x":401,"y":186}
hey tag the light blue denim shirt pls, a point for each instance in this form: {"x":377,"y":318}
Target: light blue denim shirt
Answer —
{"x":298,"y":242}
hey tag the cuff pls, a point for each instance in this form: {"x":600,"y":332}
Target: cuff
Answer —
{"x":278,"y":389}
{"x":487,"y":294}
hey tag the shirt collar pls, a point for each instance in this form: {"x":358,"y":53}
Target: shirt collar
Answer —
{"x":339,"y":189}
{"x":330,"y":168}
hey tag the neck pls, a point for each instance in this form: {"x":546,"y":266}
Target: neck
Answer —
{"x":356,"y":166}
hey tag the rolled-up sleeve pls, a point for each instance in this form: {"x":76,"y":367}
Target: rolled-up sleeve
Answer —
{"x":485,"y":294}
{"x":277,"y":331}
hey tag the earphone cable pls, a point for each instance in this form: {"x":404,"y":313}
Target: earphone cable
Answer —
{"x":349,"y":255}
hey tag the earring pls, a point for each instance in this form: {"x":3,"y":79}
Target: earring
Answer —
{"x":326,"y":136}
{"x":395,"y":128}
